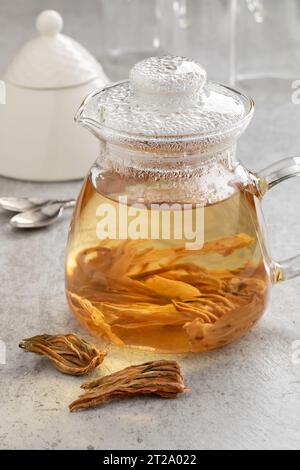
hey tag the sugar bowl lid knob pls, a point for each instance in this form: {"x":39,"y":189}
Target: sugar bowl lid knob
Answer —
{"x":49,"y":23}
{"x":52,"y":60}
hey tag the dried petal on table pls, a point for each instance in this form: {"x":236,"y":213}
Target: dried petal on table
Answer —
{"x":162,"y":378}
{"x":68,"y":353}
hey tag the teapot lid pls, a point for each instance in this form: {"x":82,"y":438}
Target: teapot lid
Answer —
{"x":167,"y":102}
{"x":52,"y":60}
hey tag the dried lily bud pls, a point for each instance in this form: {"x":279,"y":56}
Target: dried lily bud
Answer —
{"x":162,"y":378}
{"x":68,"y":353}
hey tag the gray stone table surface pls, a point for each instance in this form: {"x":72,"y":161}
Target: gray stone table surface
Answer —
{"x":246,"y":395}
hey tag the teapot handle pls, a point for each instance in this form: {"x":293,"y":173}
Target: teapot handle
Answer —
{"x":268,"y":179}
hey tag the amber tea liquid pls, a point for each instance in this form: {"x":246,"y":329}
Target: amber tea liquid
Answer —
{"x":138,"y":291}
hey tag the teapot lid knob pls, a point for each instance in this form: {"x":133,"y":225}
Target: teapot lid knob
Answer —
{"x":169,"y":80}
{"x":49,"y":23}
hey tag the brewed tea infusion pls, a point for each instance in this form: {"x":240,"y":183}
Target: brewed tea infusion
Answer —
{"x":167,"y":248}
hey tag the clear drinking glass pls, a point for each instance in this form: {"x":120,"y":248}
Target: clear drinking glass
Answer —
{"x":128,"y":33}
{"x":265,"y":39}
{"x":200,"y":30}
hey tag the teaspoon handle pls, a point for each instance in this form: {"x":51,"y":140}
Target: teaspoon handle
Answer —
{"x":69,"y":203}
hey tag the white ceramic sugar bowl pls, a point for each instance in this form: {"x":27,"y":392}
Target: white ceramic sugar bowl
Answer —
{"x":45,"y":83}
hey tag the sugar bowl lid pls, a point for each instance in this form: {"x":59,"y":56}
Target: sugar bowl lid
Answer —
{"x":168,"y":103}
{"x":52,"y":60}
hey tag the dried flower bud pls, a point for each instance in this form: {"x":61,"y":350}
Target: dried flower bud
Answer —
{"x":68,"y":353}
{"x":162,"y":378}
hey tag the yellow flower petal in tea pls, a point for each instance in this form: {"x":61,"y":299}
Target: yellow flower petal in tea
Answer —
{"x":98,"y":318}
{"x":171,"y":289}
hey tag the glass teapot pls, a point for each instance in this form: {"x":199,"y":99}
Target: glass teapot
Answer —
{"x":167,"y":245}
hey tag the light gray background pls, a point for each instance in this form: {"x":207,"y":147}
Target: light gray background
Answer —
{"x":244,"y":396}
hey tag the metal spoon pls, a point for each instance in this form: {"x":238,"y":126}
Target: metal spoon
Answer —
{"x":41,"y":216}
{"x":22,"y":204}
